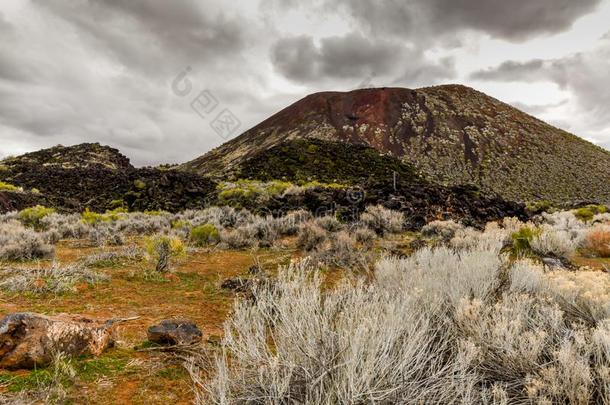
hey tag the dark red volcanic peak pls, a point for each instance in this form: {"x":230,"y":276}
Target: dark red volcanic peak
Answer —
{"x":453,"y":134}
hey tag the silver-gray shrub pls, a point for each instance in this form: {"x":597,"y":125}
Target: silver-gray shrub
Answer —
{"x":442,"y":326}
{"x":444,"y":230}
{"x":65,"y":226}
{"x":311,"y":236}
{"x":288,"y":225}
{"x":342,"y":250}
{"x":354,"y":344}
{"x":20,"y":243}
{"x":329,"y":223}
{"x":56,"y":279}
{"x":383,"y":220}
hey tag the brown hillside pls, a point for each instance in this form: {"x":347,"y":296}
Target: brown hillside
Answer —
{"x":453,"y":134}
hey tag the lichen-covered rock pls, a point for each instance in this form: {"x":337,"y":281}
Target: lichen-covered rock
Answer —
{"x":175,"y":332}
{"x":29,"y":340}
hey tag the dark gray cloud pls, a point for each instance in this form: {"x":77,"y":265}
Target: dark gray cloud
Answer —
{"x":585,"y":75}
{"x":354,"y":57}
{"x":533,"y":70}
{"x":151,"y":35}
{"x":427,"y":20}
{"x":296,"y":58}
{"x":514,"y":20}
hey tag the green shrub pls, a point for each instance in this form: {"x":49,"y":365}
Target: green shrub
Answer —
{"x":8,"y":187}
{"x":92,"y":218}
{"x":180,"y":223}
{"x":204,"y":235}
{"x":244,"y":193}
{"x":587,"y":213}
{"x":154,"y":213}
{"x":522,"y":241}
{"x":139,"y":184}
{"x":164,"y":250}
{"x":539,"y":207}
{"x":114,"y":204}
{"x":32,"y":216}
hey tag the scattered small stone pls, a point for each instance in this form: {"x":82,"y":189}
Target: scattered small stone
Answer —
{"x":29,"y":340}
{"x":175,"y":332}
{"x":236,"y":284}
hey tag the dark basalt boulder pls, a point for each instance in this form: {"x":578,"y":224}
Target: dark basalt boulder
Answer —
{"x":175,"y":332}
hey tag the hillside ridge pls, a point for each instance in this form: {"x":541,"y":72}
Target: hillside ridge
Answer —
{"x":453,"y":134}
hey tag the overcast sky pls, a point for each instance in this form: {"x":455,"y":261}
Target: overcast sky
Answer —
{"x":158,"y":78}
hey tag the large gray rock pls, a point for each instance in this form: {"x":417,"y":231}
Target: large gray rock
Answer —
{"x":29,"y":340}
{"x":175,"y":332}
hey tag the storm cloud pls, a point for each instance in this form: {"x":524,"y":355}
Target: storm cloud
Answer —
{"x":354,"y":57}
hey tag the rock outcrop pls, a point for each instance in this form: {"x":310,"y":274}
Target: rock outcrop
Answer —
{"x":29,"y":340}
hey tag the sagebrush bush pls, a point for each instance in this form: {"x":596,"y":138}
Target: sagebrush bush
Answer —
{"x":383,"y":220}
{"x":445,"y":230}
{"x":365,"y":236}
{"x":441,"y":326}
{"x":56,"y":279}
{"x":329,"y":223}
{"x":113,"y":257}
{"x":236,"y":239}
{"x":19,"y":243}
{"x":311,"y":235}
{"x":288,"y":225}
{"x":341,"y":250}
{"x":551,"y":242}
{"x":204,"y":235}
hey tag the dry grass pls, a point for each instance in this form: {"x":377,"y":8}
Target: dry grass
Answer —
{"x":56,"y":279}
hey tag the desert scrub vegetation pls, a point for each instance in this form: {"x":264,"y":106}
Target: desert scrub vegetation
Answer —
{"x":204,"y":235}
{"x":597,"y":241}
{"x":57,"y":279}
{"x":19,"y":243}
{"x":33,"y":216}
{"x":383,"y":220}
{"x":249,"y":193}
{"x":113,"y":258}
{"x":164,"y":251}
{"x":445,"y":325}
{"x":587,"y":213}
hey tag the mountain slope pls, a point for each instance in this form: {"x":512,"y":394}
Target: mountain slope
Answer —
{"x":452,"y":134}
